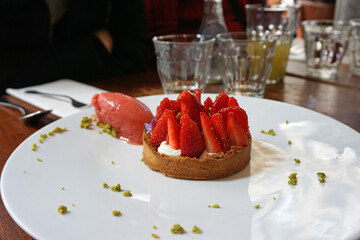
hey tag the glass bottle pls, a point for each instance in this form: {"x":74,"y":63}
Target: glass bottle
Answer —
{"x":212,"y":24}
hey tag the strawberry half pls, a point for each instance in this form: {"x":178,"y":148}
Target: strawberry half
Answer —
{"x":240,"y":115}
{"x":208,"y":105}
{"x":236,"y":133}
{"x":233,"y":102}
{"x":160,"y":131}
{"x":166,"y":104}
{"x":197,"y":94}
{"x":220,"y":103}
{"x":220,"y":131}
{"x":211,"y":142}
{"x":173,"y":133}
{"x":191,"y":141}
{"x":190,"y":106}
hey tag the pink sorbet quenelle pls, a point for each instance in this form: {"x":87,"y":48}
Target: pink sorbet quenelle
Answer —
{"x":125,"y":114}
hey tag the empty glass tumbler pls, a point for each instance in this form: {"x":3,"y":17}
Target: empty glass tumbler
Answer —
{"x":326,"y":42}
{"x":245,"y":62}
{"x":355,"y":46}
{"x":183,"y":61}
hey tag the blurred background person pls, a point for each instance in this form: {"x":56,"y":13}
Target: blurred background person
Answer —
{"x":46,"y":40}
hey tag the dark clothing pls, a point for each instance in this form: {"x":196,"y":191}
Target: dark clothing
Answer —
{"x":33,"y":52}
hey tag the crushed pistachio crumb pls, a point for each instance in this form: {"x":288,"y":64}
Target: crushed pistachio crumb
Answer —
{"x":73,"y":205}
{"x":59,"y":130}
{"x":107,"y":129}
{"x":116,"y":188}
{"x":257,"y":206}
{"x":154,"y":227}
{"x":321,"y":174}
{"x":177,"y":229}
{"x":270,"y":132}
{"x":52,"y":133}
{"x":39,"y":160}
{"x":287,"y":122}
{"x":127,"y":193}
{"x":43,"y":136}
{"x":154,"y":235}
{"x":105,"y":185}
{"x":297,"y":160}
{"x":62,"y":209}
{"x":322,"y":180}
{"x":86,"y":122}
{"x":24,"y":171}
{"x":289,"y":142}
{"x":116,"y":213}
{"x":178,"y":115}
{"x":215,"y":205}
{"x":41,"y":141}
{"x":34,"y":147}
{"x":142,"y":159}
{"x":196,"y":229}
{"x":274,"y":198}
{"x":62,"y":188}
{"x":322,"y":177}
{"x":293,"y":179}
{"x":112,"y":162}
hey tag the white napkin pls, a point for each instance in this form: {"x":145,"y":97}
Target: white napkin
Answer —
{"x":60,"y":106}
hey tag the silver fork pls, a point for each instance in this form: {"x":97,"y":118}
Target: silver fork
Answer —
{"x":74,"y":102}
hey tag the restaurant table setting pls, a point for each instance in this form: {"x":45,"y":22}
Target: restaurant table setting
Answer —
{"x":304,"y":120}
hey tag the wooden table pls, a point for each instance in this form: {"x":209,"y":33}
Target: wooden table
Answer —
{"x":337,"y":99}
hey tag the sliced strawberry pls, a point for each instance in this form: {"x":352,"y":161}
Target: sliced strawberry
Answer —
{"x":211,"y":142}
{"x":164,"y":104}
{"x":197,"y":94}
{"x":219,"y":127}
{"x":220,"y":102}
{"x":236,"y":133}
{"x":240,"y":115}
{"x":208,"y":105}
{"x":160,"y":131}
{"x":173,"y":133}
{"x":174,"y":106}
{"x":233,"y":102}
{"x":190,"y":106}
{"x":191,"y":142}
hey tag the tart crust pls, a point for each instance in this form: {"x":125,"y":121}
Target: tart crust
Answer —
{"x":210,"y":167}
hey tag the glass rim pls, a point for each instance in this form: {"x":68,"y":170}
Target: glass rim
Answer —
{"x":221,"y":37}
{"x":325,"y":21}
{"x":166,"y":39}
{"x":274,"y":7}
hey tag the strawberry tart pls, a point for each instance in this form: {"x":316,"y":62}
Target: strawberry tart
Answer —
{"x":191,"y":140}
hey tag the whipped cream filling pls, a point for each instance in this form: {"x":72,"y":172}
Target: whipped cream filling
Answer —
{"x":169,"y":151}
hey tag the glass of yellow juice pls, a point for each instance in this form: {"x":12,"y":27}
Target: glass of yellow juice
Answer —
{"x":274,"y":20}
{"x":281,"y":54}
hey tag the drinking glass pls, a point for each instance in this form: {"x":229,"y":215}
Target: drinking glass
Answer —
{"x":326,"y":42}
{"x":274,"y":20}
{"x":183,"y":61}
{"x":245,"y":61}
{"x":355,"y":46}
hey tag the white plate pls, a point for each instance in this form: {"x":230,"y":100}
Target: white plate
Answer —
{"x":80,"y":161}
